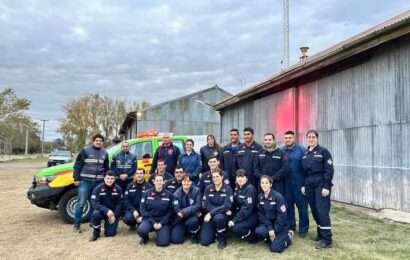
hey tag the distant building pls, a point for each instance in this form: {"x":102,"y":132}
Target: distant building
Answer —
{"x":191,"y":115}
{"x":357,"y":95}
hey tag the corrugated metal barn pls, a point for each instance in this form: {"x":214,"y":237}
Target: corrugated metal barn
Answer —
{"x":190,"y":115}
{"x":357,"y":95}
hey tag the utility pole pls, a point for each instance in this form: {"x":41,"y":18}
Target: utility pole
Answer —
{"x":286,"y":53}
{"x":26,"y":147}
{"x":42,"y":138}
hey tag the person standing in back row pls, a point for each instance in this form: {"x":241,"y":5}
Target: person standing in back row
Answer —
{"x":317,"y":165}
{"x":247,"y":154}
{"x":272,"y":162}
{"x":294,"y":183}
{"x":228,"y":155}
{"x":89,"y":169}
{"x":208,"y":150}
{"x":124,"y":166}
{"x":168,"y":152}
{"x":190,"y":161}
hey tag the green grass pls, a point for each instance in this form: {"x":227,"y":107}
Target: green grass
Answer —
{"x":356,"y":236}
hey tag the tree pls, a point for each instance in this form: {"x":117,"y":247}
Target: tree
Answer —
{"x":11,"y":105}
{"x":13,"y":122}
{"x":88,"y":115}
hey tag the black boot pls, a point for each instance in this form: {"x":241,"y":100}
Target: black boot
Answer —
{"x":133,"y":228}
{"x":143,"y":241}
{"x":95,"y":234}
{"x":323,"y":244}
{"x":221,"y":241}
{"x":194,"y":239}
{"x":252,"y":239}
{"x":76,"y":228}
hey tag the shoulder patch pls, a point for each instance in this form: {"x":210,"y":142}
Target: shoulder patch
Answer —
{"x":329,"y":161}
{"x":249,"y":200}
{"x":283,"y":208}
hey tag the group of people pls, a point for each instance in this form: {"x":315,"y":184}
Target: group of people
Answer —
{"x":247,"y":188}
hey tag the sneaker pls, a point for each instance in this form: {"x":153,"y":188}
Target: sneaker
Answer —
{"x":323,"y":244}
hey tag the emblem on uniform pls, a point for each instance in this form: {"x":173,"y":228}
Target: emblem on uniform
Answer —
{"x":215,"y":153}
{"x":93,"y":197}
{"x":329,"y":161}
{"x":283,"y":208}
{"x":231,"y":198}
{"x":249,"y":200}
{"x":170,"y":151}
{"x":191,"y":201}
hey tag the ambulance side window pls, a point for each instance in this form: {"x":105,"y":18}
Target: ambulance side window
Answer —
{"x":142,"y":150}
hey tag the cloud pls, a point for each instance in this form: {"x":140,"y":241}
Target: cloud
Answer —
{"x":53,"y":51}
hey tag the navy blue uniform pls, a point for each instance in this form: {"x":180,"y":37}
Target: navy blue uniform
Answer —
{"x":318,"y":174}
{"x":293,"y":184}
{"x":189,"y":204}
{"x":206,"y":151}
{"x":217,"y":203}
{"x":206,"y":179}
{"x":273,"y":164}
{"x":132,"y":200}
{"x":245,"y":159}
{"x":156,"y":207}
{"x":272,"y":216}
{"x":173,"y":185}
{"x":227,"y":161}
{"x":169,"y":153}
{"x":103,"y":199}
{"x":245,"y":218}
{"x":191,"y":163}
{"x":89,"y":168}
{"x":124,"y":163}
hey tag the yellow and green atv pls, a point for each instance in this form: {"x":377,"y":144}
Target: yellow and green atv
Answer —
{"x":53,"y":188}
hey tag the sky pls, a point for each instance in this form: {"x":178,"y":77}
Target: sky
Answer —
{"x":54,"y":51}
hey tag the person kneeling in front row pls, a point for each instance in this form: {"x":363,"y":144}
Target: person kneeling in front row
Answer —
{"x":156,"y":211}
{"x":273,"y":223}
{"x":132,"y":199}
{"x":106,"y":203}
{"x":217,"y":202}
{"x":187,"y":206}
